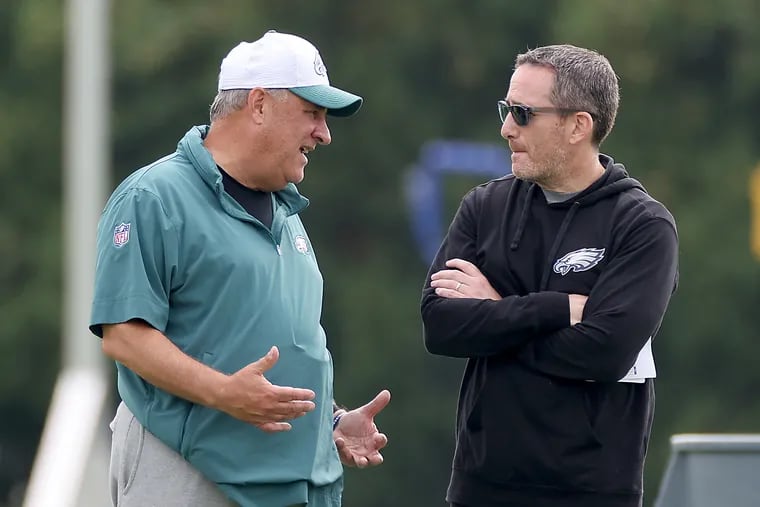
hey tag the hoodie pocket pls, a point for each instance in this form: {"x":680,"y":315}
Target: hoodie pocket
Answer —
{"x":530,"y":429}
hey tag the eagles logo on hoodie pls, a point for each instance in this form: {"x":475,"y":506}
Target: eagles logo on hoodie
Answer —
{"x":579,"y":260}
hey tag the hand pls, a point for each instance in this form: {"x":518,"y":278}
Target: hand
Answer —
{"x":463,"y":280}
{"x":577,"y":304}
{"x":250,"y":397}
{"x":356,"y":436}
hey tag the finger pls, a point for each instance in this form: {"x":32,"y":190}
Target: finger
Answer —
{"x":283,"y":394}
{"x":380,"y":441}
{"x":266,"y":362}
{"x":446,"y":274}
{"x":277,"y":412}
{"x":301,"y":407}
{"x":375,"y":459}
{"x":377,"y":404}
{"x":343,"y":452}
{"x":443,"y":282}
{"x":448,"y":293}
{"x":292,"y":415}
{"x":448,"y":284}
{"x":273,"y":427}
{"x":286,"y":412}
{"x":464,"y":266}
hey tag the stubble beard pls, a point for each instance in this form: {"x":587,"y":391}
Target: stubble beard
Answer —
{"x":546,"y":174}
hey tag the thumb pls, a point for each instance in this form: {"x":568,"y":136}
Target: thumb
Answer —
{"x":266,"y":362}
{"x":375,"y":406}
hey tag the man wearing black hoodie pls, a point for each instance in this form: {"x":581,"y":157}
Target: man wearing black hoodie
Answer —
{"x":552,"y":282}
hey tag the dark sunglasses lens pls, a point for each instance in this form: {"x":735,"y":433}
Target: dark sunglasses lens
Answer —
{"x":520,"y":114}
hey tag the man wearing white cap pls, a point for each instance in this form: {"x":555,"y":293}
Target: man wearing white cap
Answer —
{"x":208,"y":296}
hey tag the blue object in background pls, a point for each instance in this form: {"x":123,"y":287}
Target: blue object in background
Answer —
{"x":424,"y":183}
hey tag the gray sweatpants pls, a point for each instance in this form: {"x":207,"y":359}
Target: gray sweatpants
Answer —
{"x":146,"y":473}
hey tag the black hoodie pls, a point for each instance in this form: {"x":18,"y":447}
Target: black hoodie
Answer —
{"x":542,"y":420}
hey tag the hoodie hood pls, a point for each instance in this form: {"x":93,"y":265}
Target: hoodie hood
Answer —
{"x":614,"y":181}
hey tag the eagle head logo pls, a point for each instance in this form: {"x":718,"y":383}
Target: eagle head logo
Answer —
{"x":579,"y":260}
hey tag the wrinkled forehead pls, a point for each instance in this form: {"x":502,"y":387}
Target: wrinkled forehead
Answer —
{"x":531,"y":85}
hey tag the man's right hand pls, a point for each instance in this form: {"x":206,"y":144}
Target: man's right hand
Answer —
{"x":247,"y":395}
{"x":577,"y":303}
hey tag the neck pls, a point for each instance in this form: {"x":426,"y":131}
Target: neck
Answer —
{"x":578,"y":174}
{"x":226,"y":141}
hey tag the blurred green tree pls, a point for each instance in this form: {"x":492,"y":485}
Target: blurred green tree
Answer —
{"x":427,"y":69}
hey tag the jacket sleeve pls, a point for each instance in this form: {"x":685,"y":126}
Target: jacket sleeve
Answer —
{"x":474,"y":327}
{"x":134,"y":280}
{"x":624,"y":309}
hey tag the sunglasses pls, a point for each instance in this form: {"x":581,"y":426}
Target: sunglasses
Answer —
{"x":522,"y":114}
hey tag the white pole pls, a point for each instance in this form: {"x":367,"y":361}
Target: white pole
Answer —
{"x":86,"y":140}
{"x":72,"y":441}
{"x":70,"y":469}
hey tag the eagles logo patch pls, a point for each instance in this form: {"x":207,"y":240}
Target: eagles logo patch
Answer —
{"x":301,"y":244}
{"x":579,"y":260}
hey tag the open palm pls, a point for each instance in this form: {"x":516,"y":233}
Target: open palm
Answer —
{"x":357,"y":437}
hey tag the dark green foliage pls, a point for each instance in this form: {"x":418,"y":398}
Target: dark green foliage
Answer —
{"x":687,"y":128}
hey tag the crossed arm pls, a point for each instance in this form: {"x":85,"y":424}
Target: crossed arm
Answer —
{"x":600,"y":335}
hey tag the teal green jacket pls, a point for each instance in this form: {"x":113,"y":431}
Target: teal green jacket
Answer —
{"x":175,"y":250}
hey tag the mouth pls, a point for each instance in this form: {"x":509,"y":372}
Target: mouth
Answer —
{"x":516,"y":151}
{"x":305,"y":150}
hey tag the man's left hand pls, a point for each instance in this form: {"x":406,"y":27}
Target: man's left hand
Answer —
{"x":462,"y":280}
{"x":356,"y":436}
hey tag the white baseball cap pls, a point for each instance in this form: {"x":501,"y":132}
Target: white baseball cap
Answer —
{"x":280,"y":60}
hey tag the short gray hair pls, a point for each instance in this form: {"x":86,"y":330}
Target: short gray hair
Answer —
{"x":227,"y":102}
{"x":584,"y":81}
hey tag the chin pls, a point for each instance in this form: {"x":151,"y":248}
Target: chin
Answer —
{"x":296,"y":179}
{"x":522,"y":173}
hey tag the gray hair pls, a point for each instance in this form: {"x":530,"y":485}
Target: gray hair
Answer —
{"x":227,"y":102}
{"x":584,"y":81}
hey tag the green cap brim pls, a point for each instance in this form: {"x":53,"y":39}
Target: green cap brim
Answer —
{"x":337,"y":101}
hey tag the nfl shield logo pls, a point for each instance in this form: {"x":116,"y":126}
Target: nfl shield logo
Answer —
{"x":121,"y":235}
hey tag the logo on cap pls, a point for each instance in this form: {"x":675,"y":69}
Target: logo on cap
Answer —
{"x":121,"y":234}
{"x":319,"y":67}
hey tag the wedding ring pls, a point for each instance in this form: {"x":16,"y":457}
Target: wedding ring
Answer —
{"x":459,"y":284}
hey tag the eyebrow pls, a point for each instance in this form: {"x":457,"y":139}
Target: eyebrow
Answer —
{"x":311,"y":105}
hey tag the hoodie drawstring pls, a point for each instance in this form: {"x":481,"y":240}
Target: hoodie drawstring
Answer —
{"x":523,"y":218}
{"x":557,"y":242}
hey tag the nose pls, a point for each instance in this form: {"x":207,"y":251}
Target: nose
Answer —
{"x":322,"y":132}
{"x":509,"y":128}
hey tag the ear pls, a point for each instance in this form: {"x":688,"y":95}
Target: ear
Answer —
{"x":256,"y":104}
{"x":582,"y":127}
